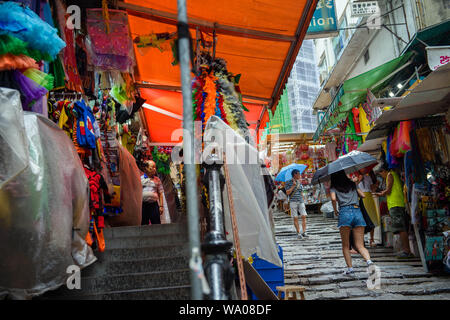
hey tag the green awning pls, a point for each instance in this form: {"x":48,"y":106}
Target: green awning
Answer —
{"x":436,"y":35}
{"x":354,"y":91}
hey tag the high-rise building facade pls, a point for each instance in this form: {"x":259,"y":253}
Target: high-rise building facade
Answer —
{"x":302,"y":87}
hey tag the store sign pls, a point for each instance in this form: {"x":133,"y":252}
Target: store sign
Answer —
{"x":364,"y":9}
{"x":323,"y":23}
{"x":438,"y":56}
{"x":320,"y":115}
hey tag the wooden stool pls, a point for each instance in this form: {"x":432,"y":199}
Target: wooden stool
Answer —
{"x":291,"y":289}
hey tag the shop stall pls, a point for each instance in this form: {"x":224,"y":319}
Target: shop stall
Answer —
{"x":104,"y":81}
{"x":82,"y":81}
{"x":285,"y":149}
{"x":415,"y":142}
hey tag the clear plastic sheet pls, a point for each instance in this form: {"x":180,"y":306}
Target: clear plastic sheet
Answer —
{"x":170,"y":202}
{"x":44,"y":208}
{"x":249,"y":193}
{"x":130,"y":192}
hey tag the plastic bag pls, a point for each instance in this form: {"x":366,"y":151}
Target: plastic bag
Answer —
{"x":394,"y":147}
{"x":327,"y":207}
{"x":404,"y":140}
{"x":44,"y":204}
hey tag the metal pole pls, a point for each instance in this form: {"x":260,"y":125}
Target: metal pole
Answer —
{"x":406,"y":21}
{"x":188,"y":145}
{"x":217,"y":267}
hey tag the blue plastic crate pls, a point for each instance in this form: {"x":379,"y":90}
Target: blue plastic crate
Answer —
{"x":272,"y":274}
{"x":259,"y":263}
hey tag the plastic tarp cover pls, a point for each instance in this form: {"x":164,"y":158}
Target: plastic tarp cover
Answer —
{"x":249,"y":193}
{"x":130,"y":192}
{"x":44,"y":205}
{"x":170,"y":207}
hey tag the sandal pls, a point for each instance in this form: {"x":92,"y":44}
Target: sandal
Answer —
{"x":372,"y":244}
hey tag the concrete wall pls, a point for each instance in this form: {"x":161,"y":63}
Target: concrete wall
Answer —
{"x":381,"y":50}
{"x":435,"y":11}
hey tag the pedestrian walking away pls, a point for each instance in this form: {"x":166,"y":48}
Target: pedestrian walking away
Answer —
{"x":344,"y":193}
{"x":296,"y":203}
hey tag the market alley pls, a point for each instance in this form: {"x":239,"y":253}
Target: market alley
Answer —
{"x":317,"y":264}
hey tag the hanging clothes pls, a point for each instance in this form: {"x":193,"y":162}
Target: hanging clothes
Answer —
{"x":85,"y":125}
{"x":73,"y":80}
{"x":425,"y":144}
{"x":409,"y":172}
{"x":364,"y":122}
{"x":419,"y":169}
{"x":330,"y":151}
{"x":355,"y":112}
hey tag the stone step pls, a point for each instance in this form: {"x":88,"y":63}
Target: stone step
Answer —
{"x":143,"y":253}
{"x":181,"y":292}
{"x":145,"y":241}
{"x":98,"y":285}
{"x":136,"y":266}
{"x":139,"y":231}
{"x":133,"y":281}
{"x":164,"y":293}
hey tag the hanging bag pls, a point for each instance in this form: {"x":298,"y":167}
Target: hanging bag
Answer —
{"x":404,"y":139}
{"x":394,"y":146}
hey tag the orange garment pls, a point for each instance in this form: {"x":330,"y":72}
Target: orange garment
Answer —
{"x":10,"y":62}
{"x":80,"y":150}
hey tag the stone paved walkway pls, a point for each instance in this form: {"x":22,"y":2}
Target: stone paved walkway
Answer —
{"x":317,"y":264}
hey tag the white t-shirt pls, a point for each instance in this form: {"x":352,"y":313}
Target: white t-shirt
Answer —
{"x":365,"y":184}
{"x":281,"y":195}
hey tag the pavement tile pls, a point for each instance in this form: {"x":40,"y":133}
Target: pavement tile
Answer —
{"x":317,"y":263}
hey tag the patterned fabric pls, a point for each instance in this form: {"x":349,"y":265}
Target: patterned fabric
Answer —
{"x":70,"y":62}
{"x":113,"y":49}
{"x":151,"y":188}
{"x":296,"y":195}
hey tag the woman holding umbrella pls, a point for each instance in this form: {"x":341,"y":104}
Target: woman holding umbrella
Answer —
{"x":344,"y":192}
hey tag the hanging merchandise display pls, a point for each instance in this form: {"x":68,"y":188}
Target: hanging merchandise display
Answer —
{"x":215,"y":91}
{"x":161,"y":156}
{"x":26,"y":44}
{"x":21,"y":22}
{"x":419,"y":149}
{"x":112,"y":48}
{"x":313,"y":156}
{"x":163,"y":41}
{"x":73,"y":80}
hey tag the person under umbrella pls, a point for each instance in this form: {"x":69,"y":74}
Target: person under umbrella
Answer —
{"x":345,"y":193}
{"x":296,"y":203}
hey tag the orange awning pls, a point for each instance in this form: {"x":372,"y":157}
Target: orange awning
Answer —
{"x":163,"y":112}
{"x":258,"y":39}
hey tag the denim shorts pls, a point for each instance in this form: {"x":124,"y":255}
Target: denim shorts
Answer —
{"x":349,"y":216}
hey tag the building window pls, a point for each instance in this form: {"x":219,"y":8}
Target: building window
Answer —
{"x":323,"y":69}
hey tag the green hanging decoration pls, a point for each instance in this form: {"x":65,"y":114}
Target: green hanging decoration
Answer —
{"x":162,"y":161}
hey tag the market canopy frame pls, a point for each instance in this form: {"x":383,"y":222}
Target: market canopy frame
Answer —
{"x":259,"y":40}
{"x":430,"y":97}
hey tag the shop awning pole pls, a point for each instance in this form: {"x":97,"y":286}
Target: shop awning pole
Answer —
{"x":188,"y":147}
